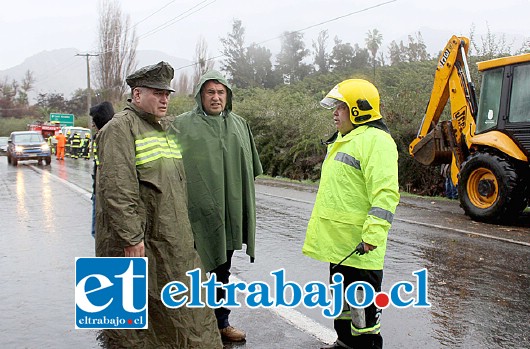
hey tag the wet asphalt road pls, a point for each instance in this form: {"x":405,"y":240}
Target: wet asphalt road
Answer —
{"x":479,"y":275}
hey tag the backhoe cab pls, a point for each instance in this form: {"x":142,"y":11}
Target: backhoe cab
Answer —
{"x":487,"y":143}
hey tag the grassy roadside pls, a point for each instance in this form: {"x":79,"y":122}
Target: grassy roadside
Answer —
{"x":314,"y":184}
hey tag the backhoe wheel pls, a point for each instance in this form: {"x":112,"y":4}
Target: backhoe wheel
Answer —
{"x":491,"y":188}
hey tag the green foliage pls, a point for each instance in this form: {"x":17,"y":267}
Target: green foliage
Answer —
{"x":8,"y":125}
{"x":180,"y":104}
{"x":288,"y":124}
{"x":405,"y":92}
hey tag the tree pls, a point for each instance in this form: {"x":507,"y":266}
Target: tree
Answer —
{"x":341,"y":57}
{"x":236,"y":63}
{"x":321,"y":56}
{"x":77,"y":103}
{"x":414,"y":51}
{"x":202,"y":62}
{"x":373,"y":41}
{"x":291,"y":56}
{"x":117,"y":51}
{"x":25,"y":87}
{"x":417,"y":50}
{"x":246,"y":66}
{"x":525,"y":47}
{"x":54,"y":102}
{"x":397,"y":53}
{"x":491,"y":46}
{"x":259,"y":61}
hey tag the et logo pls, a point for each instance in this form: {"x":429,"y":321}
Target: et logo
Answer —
{"x":111,"y":293}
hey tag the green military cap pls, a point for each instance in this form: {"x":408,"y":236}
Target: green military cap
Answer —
{"x":156,"y":76}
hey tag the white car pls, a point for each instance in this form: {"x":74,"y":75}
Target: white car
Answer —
{"x":81,"y":130}
{"x":3,"y":145}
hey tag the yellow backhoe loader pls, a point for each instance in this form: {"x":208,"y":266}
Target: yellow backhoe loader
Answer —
{"x":487,"y":142}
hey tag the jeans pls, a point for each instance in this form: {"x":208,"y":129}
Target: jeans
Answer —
{"x":222,"y":273}
{"x":451,"y":191}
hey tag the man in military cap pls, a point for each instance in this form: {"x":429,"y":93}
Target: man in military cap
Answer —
{"x":141,"y":210}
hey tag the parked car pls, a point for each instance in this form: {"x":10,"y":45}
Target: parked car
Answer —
{"x":27,"y":145}
{"x":3,"y":145}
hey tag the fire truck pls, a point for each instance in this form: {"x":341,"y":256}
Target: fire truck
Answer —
{"x":47,"y":129}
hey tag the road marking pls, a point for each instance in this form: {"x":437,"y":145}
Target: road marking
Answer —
{"x":456,"y":230}
{"x":462,"y":231}
{"x":299,"y":320}
{"x":286,"y":198}
{"x":86,"y":194}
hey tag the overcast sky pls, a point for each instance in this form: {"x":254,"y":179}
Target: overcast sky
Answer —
{"x":28,"y":27}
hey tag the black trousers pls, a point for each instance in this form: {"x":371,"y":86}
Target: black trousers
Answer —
{"x":351,"y":317}
{"x":222,"y":273}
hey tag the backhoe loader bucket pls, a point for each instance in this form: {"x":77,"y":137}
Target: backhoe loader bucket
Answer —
{"x":433,"y":149}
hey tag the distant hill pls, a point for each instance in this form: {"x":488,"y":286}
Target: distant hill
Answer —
{"x":61,"y":71}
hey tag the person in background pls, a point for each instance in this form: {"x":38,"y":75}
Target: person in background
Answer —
{"x":68,"y":146}
{"x":85,"y":147}
{"x":221,"y":163}
{"x":101,"y":114}
{"x":61,"y":144}
{"x":451,"y":190}
{"x":355,"y":204}
{"x":76,"y":145}
{"x":52,"y":142}
{"x":141,"y":211}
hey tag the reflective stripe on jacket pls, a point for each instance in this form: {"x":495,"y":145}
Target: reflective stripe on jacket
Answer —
{"x":356,"y":200}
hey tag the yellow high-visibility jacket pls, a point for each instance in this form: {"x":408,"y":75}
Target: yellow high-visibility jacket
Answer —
{"x":356,"y":199}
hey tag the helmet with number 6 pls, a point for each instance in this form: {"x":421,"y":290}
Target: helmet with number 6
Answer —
{"x":360,"y":95}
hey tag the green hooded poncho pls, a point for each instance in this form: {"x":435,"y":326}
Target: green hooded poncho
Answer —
{"x":221,"y":163}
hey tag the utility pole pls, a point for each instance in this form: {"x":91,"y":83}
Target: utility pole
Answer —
{"x":89,"y":93}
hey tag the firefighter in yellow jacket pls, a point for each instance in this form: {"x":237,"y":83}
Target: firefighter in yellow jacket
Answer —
{"x":355,"y":204}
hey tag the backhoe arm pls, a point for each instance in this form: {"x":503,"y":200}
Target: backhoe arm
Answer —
{"x":446,"y":143}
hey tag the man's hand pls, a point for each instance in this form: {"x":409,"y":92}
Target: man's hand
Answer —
{"x":137,"y":250}
{"x":363,"y":248}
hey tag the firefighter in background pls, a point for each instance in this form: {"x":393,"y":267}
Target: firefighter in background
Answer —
{"x":68,"y":146}
{"x":61,"y":143}
{"x":76,"y":145}
{"x":51,"y":143}
{"x":85,"y":147}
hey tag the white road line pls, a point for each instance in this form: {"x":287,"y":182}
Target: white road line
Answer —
{"x":286,"y":198}
{"x":461,"y":231}
{"x":300,"y":321}
{"x":85,"y":193}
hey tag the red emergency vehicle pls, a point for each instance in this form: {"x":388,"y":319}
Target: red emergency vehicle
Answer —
{"x":47,"y":129}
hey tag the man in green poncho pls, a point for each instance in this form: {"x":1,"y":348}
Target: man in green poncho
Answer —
{"x":141,"y":210}
{"x":221,"y":163}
